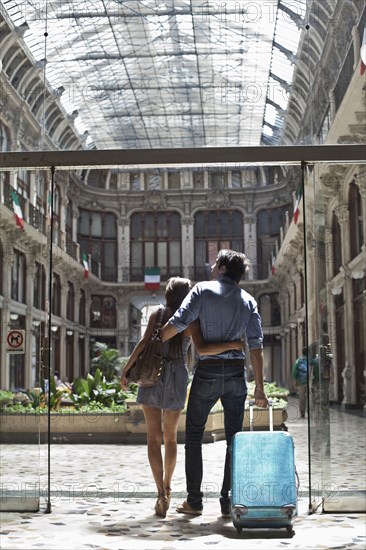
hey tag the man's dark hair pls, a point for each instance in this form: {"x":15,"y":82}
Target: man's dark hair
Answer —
{"x":304,"y":351}
{"x":236,"y":263}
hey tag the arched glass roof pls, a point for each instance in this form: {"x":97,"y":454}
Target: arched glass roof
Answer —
{"x":168,"y":73}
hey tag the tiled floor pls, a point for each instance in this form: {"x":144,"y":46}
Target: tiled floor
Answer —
{"x":103,"y":498}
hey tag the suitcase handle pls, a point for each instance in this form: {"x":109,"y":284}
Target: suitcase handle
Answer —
{"x":270,"y":413}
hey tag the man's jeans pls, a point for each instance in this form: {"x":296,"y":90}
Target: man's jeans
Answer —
{"x":212,"y":380}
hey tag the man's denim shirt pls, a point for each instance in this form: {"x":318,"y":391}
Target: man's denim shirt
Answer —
{"x":225,"y":311}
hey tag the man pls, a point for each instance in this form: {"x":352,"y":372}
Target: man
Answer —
{"x":226,"y":313}
{"x":300,"y":376}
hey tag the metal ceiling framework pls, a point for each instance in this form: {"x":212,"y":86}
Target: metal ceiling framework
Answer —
{"x":167,"y":73}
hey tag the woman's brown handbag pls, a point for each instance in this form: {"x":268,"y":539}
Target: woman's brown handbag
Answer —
{"x":148,"y":367}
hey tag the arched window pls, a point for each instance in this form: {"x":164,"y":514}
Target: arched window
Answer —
{"x":214,"y":230}
{"x":18,"y":277}
{"x":56,"y":295}
{"x":336,"y":245}
{"x":155,"y":242}
{"x":82,"y":305}
{"x":355,"y":220}
{"x":70,"y":304}
{"x":39,"y":287}
{"x":97,"y":235}
{"x":56,"y":214}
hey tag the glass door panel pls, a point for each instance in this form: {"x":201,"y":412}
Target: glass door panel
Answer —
{"x":336,"y":303}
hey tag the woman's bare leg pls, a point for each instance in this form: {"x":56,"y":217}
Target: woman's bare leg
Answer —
{"x":170,"y":428}
{"x":154,"y":441}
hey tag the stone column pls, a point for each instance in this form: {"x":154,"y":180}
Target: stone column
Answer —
{"x":31,"y":271}
{"x":4,"y":356}
{"x":343,"y":218}
{"x":63,"y":205}
{"x":250,"y":244}
{"x":75,"y":327}
{"x":123,"y":322}
{"x":5,"y":311}
{"x":123,"y":249}
{"x":331,"y":318}
{"x":87,"y":324}
{"x":349,"y":352}
{"x":187,"y":243}
{"x":62,"y":331}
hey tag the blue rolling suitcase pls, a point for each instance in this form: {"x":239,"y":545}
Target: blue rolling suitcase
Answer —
{"x":263,"y":478}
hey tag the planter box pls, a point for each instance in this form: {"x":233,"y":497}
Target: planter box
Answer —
{"x":115,"y":428}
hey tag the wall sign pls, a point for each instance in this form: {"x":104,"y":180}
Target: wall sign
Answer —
{"x":15,"y":340}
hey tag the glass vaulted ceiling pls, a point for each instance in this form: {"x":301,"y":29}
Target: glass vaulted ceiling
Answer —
{"x":174,"y":73}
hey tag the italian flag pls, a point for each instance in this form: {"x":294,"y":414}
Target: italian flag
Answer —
{"x":363,"y":51}
{"x":297,"y":202}
{"x":152,"y":278}
{"x":17,"y":211}
{"x":86,"y":266}
{"x":273,"y":261}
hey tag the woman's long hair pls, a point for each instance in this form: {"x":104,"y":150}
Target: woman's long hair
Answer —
{"x":176,"y":290}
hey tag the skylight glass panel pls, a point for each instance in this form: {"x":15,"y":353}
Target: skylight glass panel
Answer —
{"x":174,"y":73}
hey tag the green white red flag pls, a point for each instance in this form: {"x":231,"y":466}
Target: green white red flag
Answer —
{"x":273,"y":262}
{"x":152,"y":278}
{"x":86,"y":266}
{"x":17,"y":211}
{"x":297,"y":202}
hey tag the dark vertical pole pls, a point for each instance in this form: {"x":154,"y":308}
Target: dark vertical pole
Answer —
{"x":49,"y":336}
{"x":303,"y":174}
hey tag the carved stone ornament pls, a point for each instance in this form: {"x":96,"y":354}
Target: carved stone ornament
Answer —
{"x":218,"y":198}
{"x":155,"y":200}
{"x":333,"y":177}
{"x":361,"y":181}
{"x":187,"y":220}
{"x":342,"y":213}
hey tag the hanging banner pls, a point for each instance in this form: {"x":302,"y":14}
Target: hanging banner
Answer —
{"x":15,"y":340}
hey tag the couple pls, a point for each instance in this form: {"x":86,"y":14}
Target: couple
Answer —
{"x":216,"y":315}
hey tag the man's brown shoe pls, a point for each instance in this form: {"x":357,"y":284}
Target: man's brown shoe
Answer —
{"x":186,"y":508}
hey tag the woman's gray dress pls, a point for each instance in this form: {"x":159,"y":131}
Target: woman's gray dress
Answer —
{"x":171,"y":390}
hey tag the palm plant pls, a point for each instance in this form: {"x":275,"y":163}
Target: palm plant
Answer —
{"x":107,"y":360}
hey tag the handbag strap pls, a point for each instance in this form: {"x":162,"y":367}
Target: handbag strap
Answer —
{"x":156,"y":335}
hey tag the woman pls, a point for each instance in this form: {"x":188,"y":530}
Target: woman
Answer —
{"x":162,"y":404}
